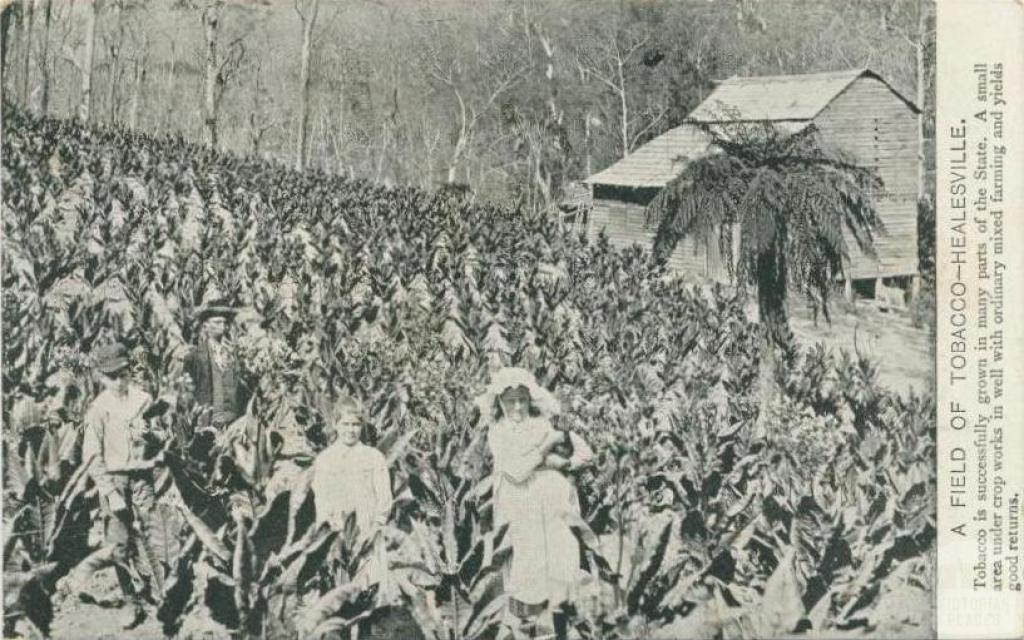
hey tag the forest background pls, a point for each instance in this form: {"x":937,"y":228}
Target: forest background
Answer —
{"x":514,"y":99}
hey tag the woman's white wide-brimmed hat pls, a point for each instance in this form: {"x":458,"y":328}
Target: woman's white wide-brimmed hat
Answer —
{"x":511,"y":378}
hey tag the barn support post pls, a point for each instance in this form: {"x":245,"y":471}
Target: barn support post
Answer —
{"x":590,"y":209}
{"x":915,"y":287}
{"x":848,"y":289}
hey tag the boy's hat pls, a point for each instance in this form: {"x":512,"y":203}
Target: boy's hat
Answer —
{"x":215,"y":310}
{"x":111,"y":358}
{"x":329,"y":403}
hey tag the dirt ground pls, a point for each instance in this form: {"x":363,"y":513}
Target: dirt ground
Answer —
{"x":75,"y":619}
{"x":78,"y":620}
{"x":905,"y":354}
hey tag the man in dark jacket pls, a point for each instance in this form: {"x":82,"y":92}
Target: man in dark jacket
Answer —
{"x":214,"y":371}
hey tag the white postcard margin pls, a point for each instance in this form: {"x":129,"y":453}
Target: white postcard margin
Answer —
{"x":980,"y":317}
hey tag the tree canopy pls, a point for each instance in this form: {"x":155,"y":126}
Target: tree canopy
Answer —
{"x":792,"y":197}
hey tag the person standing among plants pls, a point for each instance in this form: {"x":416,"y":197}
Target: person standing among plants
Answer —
{"x":112,"y":449}
{"x":217,"y":377}
{"x":532,"y":494}
{"x":351,"y":478}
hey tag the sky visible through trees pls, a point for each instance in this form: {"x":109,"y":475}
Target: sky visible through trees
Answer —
{"x":514,"y":98}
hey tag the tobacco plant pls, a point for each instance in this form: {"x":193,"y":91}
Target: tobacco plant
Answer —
{"x":727,"y":474}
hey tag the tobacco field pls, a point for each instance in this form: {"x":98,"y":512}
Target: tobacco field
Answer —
{"x":733,"y":495}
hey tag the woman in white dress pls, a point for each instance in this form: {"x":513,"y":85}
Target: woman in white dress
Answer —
{"x":532,"y":494}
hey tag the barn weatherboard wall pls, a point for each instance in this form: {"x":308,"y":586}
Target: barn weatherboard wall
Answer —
{"x":856,"y":110}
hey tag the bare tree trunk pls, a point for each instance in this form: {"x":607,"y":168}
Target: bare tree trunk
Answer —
{"x":384,"y":142}
{"x":460,"y":144}
{"x":922,"y":23}
{"x":44,"y":98}
{"x":7,"y":18}
{"x":85,"y":106}
{"x":26,"y":78}
{"x":527,"y":21}
{"x":339,"y":139}
{"x":544,"y":186}
{"x":114,"y":48}
{"x":548,"y":175}
{"x":323,"y":129}
{"x":255,"y":134}
{"x":588,"y":162}
{"x":428,"y":145}
{"x":453,"y":166}
{"x":326,"y":138}
{"x":308,"y":25}
{"x":257,"y":126}
{"x":920,"y":119}
{"x":609,"y":67}
{"x":529,"y":192}
{"x":137,"y":85}
{"x":625,"y":110}
{"x":211,"y":18}
{"x":169,"y":86}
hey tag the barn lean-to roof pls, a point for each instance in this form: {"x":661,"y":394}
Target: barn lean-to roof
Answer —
{"x":790,"y":102}
{"x":658,"y":161}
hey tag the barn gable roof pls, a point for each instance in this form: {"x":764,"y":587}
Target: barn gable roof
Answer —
{"x":790,"y":102}
{"x":773,"y":98}
{"x":663,"y":158}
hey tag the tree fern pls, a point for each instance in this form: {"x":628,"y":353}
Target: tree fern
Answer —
{"x":792,"y":197}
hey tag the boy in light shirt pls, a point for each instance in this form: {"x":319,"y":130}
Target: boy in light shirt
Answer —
{"x":112,"y":449}
{"x":349,"y":476}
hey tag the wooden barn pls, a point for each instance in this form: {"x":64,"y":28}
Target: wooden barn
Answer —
{"x":856,"y":110}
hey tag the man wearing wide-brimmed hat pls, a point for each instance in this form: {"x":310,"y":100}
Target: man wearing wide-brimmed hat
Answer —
{"x":112,"y":449}
{"x":214,"y":372}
